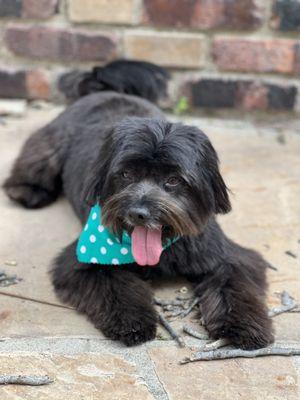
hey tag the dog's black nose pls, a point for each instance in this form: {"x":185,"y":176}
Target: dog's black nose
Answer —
{"x":138,"y":215}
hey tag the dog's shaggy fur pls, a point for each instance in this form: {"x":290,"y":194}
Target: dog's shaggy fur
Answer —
{"x":119,"y":150}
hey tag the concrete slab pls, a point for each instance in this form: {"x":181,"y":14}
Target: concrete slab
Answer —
{"x":23,"y":318}
{"x":31,"y":238}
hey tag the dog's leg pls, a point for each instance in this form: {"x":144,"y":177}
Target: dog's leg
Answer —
{"x":35,"y":178}
{"x":116,"y":301}
{"x":232,"y":302}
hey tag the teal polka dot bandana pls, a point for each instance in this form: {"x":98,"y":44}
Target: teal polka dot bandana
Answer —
{"x":97,"y":245}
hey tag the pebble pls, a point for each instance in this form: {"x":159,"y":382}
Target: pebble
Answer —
{"x":11,"y":263}
{"x":184,"y":289}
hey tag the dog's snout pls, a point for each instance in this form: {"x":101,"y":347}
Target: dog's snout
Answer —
{"x":139,"y":215}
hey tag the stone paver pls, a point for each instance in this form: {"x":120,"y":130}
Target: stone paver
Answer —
{"x":77,"y":377}
{"x":260,"y":379}
{"x":263,"y":175}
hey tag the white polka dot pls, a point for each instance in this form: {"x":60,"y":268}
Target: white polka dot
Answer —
{"x":94,"y":215}
{"x":109,"y":241}
{"x":124,"y":251}
{"x":100,"y":228}
{"x":115,"y":261}
{"x":93,"y":260}
{"x":103,"y":250}
{"x":92,"y":238}
{"x":86,"y":227}
{"x":82,"y":249}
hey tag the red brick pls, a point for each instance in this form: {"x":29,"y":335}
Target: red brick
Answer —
{"x":102,"y":11}
{"x":24,"y":84}
{"x":270,"y":55}
{"x":40,"y":9}
{"x":10,"y":8}
{"x":297,"y":59}
{"x":281,"y":97}
{"x":248,"y":95}
{"x":37,"y":85}
{"x":183,"y":50}
{"x":58,"y":44}
{"x":12,"y":84}
{"x":286,"y":15}
{"x":252,"y":96}
{"x":203,"y":14}
{"x":212,"y":93}
{"x":169,"y":13}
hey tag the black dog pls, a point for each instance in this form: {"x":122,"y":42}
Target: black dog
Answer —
{"x":151,"y":177}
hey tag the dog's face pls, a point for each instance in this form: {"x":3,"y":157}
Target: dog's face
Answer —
{"x":159,"y":176}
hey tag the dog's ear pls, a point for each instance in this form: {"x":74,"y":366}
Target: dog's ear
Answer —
{"x":91,"y":191}
{"x":219,"y":188}
{"x":222,"y":202}
{"x":95,"y":186}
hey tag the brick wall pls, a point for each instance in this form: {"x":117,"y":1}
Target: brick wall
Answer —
{"x":232,"y":54}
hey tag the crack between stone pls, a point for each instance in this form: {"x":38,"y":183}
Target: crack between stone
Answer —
{"x":156,"y":375}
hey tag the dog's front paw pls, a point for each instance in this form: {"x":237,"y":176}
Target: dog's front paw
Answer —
{"x":132,"y":329}
{"x":137,"y":333}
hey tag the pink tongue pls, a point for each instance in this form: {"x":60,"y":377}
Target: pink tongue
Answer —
{"x":146,"y":245}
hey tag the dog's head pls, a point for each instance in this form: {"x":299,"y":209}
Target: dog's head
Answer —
{"x":156,"y":176}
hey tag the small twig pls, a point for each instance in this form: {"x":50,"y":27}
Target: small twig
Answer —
{"x":174,"y":306}
{"x":287,"y":304}
{"x":209,"y":352}
{"x":286,"y":299}
{"x":290,"y":253}
{"x":165,"y":303}
{"x":8,"y":280}
{"x":168,"y":307}
{"x":271,"y":267}
{"x":171,"y":331}
{"x":190,"y":308}
{"x":275,"y":350}
{"x":182,"y":297}
{"x":30,"y":380}
{"x":174,"y":313}
{"x":48,"y":303}
{"x":11,"y":263}
{"x":215,"y":345}
{"x":190,"y":331}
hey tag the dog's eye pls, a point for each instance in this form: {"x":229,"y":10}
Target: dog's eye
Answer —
{"x":126,"y":174}
{"x":173,"y":181}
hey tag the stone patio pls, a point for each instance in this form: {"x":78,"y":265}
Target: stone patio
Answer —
{"x":261,"y":166}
